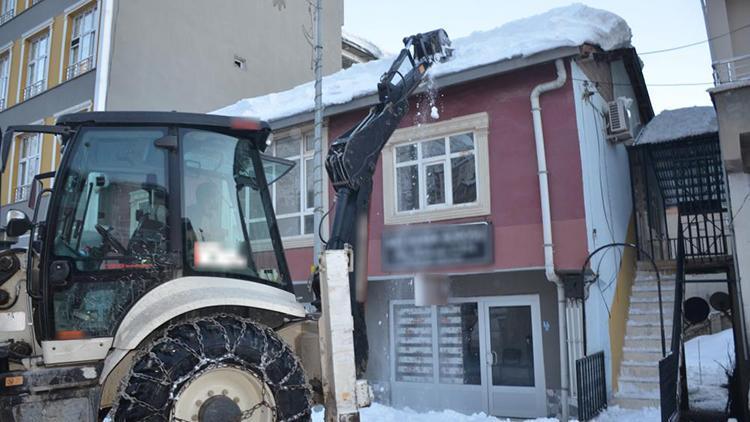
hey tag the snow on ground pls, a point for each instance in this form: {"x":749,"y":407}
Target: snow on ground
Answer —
{"x":705,"y":379}
{"x":567,"y":26}
{"x":380,"y":413}
{"x":680,"y":123}
{"x":706,"y":357}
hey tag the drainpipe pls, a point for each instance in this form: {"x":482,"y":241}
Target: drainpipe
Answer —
{"x":549,"y":263}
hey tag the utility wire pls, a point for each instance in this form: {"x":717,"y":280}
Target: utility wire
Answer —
{"x":692,"y":44}
{"x":646,"y":85}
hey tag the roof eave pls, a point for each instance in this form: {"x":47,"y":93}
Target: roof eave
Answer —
{"x":443,"y":81}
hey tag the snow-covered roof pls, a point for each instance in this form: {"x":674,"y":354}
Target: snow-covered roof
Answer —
{"x":568,"y":26}
{"x":670,"y":125}
{"x":362,"y":44}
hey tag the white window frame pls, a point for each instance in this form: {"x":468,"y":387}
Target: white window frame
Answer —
{"x":68,"y":69}
{"x":302,"y":240}
{"x":6,"y":52}
{"x":28,"y":37}
{"x":478,"y":124}
{"x":24,"y":179}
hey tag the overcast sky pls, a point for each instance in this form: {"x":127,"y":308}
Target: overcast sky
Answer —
{"x":656,"y":25}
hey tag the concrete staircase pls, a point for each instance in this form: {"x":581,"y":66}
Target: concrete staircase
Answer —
{"x":638,"y":384}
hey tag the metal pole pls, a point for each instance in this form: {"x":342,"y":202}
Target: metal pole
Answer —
{"x":318,"y":143}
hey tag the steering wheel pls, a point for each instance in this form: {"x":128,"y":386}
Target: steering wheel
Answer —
{"x":110,"y":239}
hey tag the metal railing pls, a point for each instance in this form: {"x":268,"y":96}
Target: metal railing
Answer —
{"x":592,"y":386}
{"x":22,"y":192}
{"x":731,"y":70}
{"x":5,"y":17}
{"x":79,"y":68}
{"x":33,"y":89}
{"x":672,"y":382}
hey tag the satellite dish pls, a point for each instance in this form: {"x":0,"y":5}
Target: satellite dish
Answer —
{"x":720,"y":301}
{"x":696,"y":310}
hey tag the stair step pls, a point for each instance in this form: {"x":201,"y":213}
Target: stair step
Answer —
{"x":649,"y":317}
{"x":649,"y":309}
{"x":635,"y":402}
{"x":647,"y":330}
{"x":639,"y":369}
{"x":646,"y":342}
{"x":641,"y":354}
{"x":647,"y":389}
{"x":652,"y":299}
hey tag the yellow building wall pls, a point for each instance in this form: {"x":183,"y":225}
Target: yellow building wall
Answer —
{"x":621,"y":304}
{"x":58,"y":56}
{"x":56,"y":42}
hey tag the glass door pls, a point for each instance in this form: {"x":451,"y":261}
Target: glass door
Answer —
{"x":514,"y":361}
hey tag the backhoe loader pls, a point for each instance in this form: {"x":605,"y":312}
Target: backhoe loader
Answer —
{"x":146,"y":280}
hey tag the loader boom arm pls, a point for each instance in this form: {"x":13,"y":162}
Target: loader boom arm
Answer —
{"x":353,"y":156}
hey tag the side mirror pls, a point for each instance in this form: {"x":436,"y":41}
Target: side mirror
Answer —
{"x":17,"y":224}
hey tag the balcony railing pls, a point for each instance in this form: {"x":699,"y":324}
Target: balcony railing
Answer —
{"x":732,"y":70}
{"x":79,"y":68}
{"x":5,"y":17}
{"x":2,"y":104}
{"x":22,"y":192}
{"x":35,"y":88}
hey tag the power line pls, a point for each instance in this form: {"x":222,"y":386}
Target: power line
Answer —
{"x":692,"y":44}
{"x":646,"y":85}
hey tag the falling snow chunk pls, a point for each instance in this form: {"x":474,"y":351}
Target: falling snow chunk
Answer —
{"x":434,"y":113}
{"x":568,"y":26}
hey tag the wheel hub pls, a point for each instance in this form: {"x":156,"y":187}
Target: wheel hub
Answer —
{"x":225,"y":394}
{"x":219,"y":409}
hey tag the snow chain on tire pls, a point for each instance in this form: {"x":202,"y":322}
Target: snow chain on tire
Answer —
{"x":185,"y":349}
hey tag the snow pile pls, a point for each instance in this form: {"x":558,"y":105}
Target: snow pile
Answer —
{"x":567,"y":26}
{"x":681,"y":123}
{"x":618,"y":414}
{"x":706,"y":358}
{"x":362,"y":44}
{"x":380,"y":413}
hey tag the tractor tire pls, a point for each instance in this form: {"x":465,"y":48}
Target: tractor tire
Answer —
{"x":214,"y":368}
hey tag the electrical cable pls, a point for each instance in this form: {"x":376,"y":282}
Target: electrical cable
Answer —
{"x":680,"y":47}
{"x":680,"y":84}
{"x":320,"y":228}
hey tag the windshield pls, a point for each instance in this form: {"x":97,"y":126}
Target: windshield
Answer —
{"x":226,"y":226}
{"x":113,"y":210}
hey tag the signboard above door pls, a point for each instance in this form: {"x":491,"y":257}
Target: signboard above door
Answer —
{"x":426,"y":247}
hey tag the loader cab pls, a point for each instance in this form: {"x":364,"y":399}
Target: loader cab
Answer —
{"x":144,"y":198}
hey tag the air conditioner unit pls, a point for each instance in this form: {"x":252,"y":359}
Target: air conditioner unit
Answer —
{"x":618,"y":121}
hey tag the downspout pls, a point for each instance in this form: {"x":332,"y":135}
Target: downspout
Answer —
{"x":104,"y":55}
{"x":549,"y":259}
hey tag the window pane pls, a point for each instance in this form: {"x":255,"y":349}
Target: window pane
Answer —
{"x":462,"y":142}
{"x":433,"y":148}
{"x":458,"y":333}
{"x":131,"y":206}
{"x":289,"y":226}
{"x":287,"y":147}
{"x":435,"y":179}
{"x":406,"y":153}
{"x":407,"y":189}
{"x":464,"y":179}
{"x":511,"y":346}
{"x":287,"y":192}
{"x":309,"y":181}
{"x":309,"y":224}
{"x":413,"y":334}
{"x":309,"y":142}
